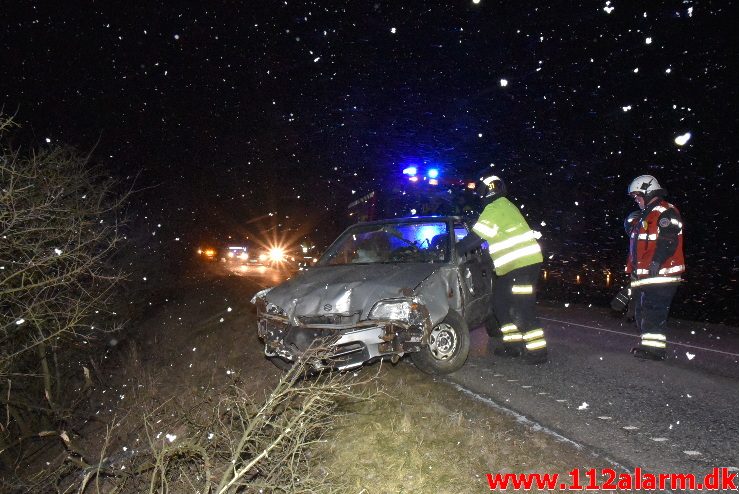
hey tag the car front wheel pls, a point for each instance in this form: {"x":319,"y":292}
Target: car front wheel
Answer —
{"x":281,"y":363}
{"x":447,"y":349}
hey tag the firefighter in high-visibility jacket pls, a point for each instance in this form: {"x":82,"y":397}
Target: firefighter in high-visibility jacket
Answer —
{"x":655,"y":263}
{"x":516,"y":258}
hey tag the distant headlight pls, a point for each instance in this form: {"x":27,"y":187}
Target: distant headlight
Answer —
{"x":399,"y":309}
{"x":276,"y":254}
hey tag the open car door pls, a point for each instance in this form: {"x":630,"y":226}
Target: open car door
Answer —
{"x":476,"y":273}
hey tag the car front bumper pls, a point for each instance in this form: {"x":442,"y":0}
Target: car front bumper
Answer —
{"x":345,"y":346}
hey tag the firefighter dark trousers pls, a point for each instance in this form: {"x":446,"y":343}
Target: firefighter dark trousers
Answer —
{"x":514,"y":303}
{"x":650,"y":312}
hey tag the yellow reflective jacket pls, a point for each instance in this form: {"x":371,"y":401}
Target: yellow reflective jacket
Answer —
{"x":512,"y":243}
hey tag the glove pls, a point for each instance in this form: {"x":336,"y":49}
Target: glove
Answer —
{"x":630,"y":220}
{"x":621,"y":300}
{"x":654,"y":269}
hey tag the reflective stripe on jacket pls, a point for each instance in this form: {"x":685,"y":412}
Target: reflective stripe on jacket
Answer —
{"x":642,"y":245}
{"x":511,"y":242}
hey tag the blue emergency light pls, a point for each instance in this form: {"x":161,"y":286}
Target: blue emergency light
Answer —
{"x":433,"y":173}
{"x":411,"y":171}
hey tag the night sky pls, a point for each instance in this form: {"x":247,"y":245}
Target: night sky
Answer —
{"x":236,"y":109}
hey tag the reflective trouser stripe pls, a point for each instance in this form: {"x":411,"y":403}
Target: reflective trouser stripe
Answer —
{"x":512,"y":337}
{"x":657,"y":344}
{"x":532,"y":335}
{"x":657,"y":340}
{"x":522,"y":289}
{"x":536,"y":345}
{"x":653,"y":336}
{"x":508,"y":328}
{"x":535,"y":339}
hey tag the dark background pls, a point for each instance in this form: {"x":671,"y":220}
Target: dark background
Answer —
{"x":224,"y":112}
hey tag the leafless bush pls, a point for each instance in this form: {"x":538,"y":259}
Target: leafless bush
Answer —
{"x":58,"y":226}
{"x":221,"y":443}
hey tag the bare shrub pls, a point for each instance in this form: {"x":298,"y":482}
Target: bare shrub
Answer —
{"x":222,"y":441}
{"x":58,"y":227}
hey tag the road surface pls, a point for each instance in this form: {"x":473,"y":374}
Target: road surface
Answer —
{"x":679,"y":415}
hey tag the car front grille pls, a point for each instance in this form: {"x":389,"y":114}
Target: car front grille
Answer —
{"x":330,"y":319}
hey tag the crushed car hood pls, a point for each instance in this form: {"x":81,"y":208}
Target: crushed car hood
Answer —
{"x":348,"y":288}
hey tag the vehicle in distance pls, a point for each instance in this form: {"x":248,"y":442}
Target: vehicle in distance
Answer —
{"x":208,"y":253}
{"x":236,"y":253}
{"x":273,"y":256}
{"x":381,"y":290}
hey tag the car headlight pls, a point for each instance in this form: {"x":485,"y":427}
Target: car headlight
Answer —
{"x":399,"y":309}
{"x":260,"y":294}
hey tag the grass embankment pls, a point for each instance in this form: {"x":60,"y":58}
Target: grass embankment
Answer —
{"x":422,"y":435}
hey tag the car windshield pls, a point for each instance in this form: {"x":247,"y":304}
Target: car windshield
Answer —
{"x":390,"y":243}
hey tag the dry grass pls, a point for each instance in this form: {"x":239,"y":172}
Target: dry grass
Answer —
{"x":420,"y":435}
{"x":220,"y":442}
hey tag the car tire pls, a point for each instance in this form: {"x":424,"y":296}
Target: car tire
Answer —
{"x":281,"y":363}
{"x":492,"y":326}
{"x":447,"y":349}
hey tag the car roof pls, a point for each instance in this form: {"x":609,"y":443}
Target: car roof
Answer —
{"x":406,"y":219}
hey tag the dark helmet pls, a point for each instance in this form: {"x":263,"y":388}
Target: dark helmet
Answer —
{"x":491,"y":187}
{"x":647,"y":186}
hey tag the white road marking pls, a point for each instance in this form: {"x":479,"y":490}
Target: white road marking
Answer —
{"x":692,"y":453}
{"x":525,"y":387}
{"x":527,"y":421}
{"x":659,"y":439}
{"x":605,"y":417}
{"x":630,"y":427}
{"x":669,"y":342}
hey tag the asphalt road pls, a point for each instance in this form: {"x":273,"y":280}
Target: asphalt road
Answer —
{"x":679,"y":415}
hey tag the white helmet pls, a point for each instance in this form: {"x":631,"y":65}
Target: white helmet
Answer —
{"x":647,"y":186}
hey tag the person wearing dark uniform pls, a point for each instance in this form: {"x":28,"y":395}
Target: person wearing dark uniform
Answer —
{"x":516,"y":259}
{"x":655,"y":263}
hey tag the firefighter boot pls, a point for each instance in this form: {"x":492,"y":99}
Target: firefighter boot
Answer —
{"x":534,"y":357}
{"x":509,"y":350}
{"x":643,"y":353}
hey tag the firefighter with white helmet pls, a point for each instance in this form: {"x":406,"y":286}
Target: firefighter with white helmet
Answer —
{"x":655,"y":263}
{"x":516,"y":256}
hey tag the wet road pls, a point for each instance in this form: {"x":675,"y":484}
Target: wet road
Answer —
{"x":680,"y":415}
{"x":264,"y":276}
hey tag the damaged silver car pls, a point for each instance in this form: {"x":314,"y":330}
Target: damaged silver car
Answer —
{"x":383,"y":289}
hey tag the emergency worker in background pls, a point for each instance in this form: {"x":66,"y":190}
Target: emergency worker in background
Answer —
{"x":516,"y":258}
{"x":655,"y":263}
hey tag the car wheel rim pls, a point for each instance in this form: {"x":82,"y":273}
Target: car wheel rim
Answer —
{"x":443,"y":342}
